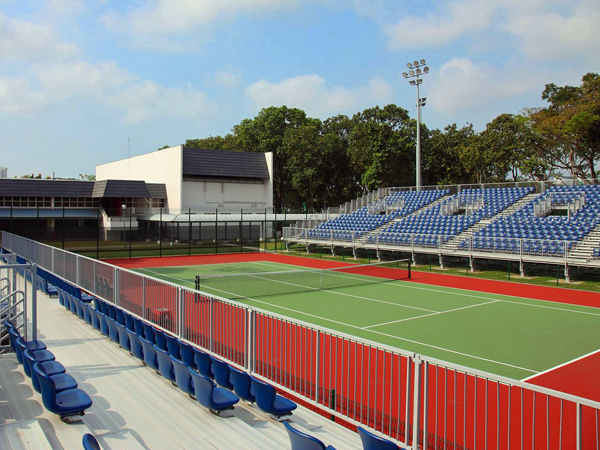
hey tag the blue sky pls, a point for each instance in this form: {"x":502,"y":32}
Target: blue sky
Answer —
{"x":78,"y":78}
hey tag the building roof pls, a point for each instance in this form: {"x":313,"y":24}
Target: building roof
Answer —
{"x":224,"y":164}
{"x":48,"y":213}
{"x":28,"y":187}
{"x":157,"y":190}
{"x":121,"y":188}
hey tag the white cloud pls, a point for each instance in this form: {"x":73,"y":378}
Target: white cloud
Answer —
{"x":148,"y":100}
{"x":437,"y":28}
{"x":80,"y":78}
{"x":23,"y":40}
{"x":228,"y":77}
{"x":16,"y":96}
{"x":173,"y":24}
{"x":311,"y":93}
{"x":553,"y":34}
{"x":460,"y":85}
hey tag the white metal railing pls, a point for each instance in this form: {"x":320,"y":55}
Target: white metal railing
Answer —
{"x":409,"y":397}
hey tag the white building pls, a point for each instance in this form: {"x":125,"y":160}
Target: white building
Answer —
{"x":200,"y":180}
{"x":3,"y":172}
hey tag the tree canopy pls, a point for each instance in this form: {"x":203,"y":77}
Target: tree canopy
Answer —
{"x":332,"y":161}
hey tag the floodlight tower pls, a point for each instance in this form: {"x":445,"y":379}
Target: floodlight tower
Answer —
{"x":416,"y":69}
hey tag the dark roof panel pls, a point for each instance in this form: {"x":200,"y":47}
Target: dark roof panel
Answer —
{"x":27,"y":187}
{"x":224,"y":164}
{"x":157,"y":190}
{"x":121,"y":188}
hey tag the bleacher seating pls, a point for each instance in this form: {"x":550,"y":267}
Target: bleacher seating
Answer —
{"x":546,"y":235}
{"x":216,"y":399}
{"x":359,"y":222}
{"x":371,"y":441}
{"x":432,"y":228}
{"x":270,"y":402}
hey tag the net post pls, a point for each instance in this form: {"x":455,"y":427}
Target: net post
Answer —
{"x":409,"y":269}
{"x":320,"y":281}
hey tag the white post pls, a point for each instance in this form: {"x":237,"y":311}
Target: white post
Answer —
{"x":418,"y":157}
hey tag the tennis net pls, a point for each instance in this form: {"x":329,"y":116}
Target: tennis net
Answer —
{"x":252,"y":285}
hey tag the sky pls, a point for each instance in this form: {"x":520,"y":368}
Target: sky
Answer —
{"x":86,"y":82}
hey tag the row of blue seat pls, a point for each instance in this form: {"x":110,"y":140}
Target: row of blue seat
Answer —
{"x":189,"y":368}
{"x":60,"y":393}
{"x":214,"y":383}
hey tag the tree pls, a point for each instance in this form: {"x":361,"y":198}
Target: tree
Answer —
{"x":571,"y":126}
{"x":441,"y":160}
{"x":266,"y":133}
{"x":226,"y":142}
{"x":382,"y":147}
{"x":88,"y":177}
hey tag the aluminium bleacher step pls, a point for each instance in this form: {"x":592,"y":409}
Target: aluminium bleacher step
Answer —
{"x":24,"y":434}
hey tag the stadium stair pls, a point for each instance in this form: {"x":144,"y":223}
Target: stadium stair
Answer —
{"x":453,"y":243}
{"x":583,"y":251}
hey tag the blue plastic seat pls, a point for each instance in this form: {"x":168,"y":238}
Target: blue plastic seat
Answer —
{"x":62,"y":380}
{"x":89,"y":442}
{"x":303,"y":441}
{"x":94,"y":317}
{"x":13,"y":335}
{"x":135,"y":346}
{"x":372,"y":442}
{"x":149,"y":353}
{"x":242,"y":384}
{"x":210,"y":396}
{"x":203,"y":363}
{"x":159,"y":339}
{"x":148,"y":332}
{"x":183,"y":379}
{"x":221,"y":372}
{"x":172,"y":345}
{"x":186,"y":351}
{"x":67,"y":403}
{"x":113,"y":332}
{"x":103,"y":320}
{"x":123,"y":336}
{"x":165,"y":366}
{"x":271,"y":403}
{"x":40,"y":355}
{"x":87,"y":314}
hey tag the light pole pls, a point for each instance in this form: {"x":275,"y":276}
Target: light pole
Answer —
{"x":416,"y":69}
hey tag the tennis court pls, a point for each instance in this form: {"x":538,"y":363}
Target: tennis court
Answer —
{"x":506,"y":335}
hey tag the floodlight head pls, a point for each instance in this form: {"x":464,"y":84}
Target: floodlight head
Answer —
{"x":412,"y":82}
{"x":409,"y":65}
{"x":123,"y":206}
{"x":416,"y":63}
{"x":424,"y":99}
{"x":419,"y":71}
{"x":426,"y":69}
{"x":404,"y":74}
{"x":422,"y":62}
{"x":412,"y":72}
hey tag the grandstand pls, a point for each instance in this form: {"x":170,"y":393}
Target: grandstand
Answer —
{"x":539,"y":222}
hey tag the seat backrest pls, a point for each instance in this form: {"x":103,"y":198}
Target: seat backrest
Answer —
{"x":90,"y":442}
{"x":242,"y":383}
{"x":204,"y":389}
{"x":120,"y":316}
{"x":265,"y":394}
{"x":28,"y":362}
{"x":13,"y":335}
{"x":182,"y":375}
{"x":159,"y":339}
{"x":186,"y":353}
{"x":221,"y":372}
{"x":47,"y":387}
{"x":163,"y":357}
{"x":129,"y":321}
{"x":172,"y":345}
{"x":148,"y":332}
{"x":302,"y":441}
{"x":20,"y":346}
{"x":203,"y":363}
{"x":139,"y":326}
{"x":372,"y":442}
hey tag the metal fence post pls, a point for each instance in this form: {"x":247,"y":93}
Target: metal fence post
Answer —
{"x":180,"y":312}
{"x":33,"y":302}
{"x":249,"y":363}
{"x":416,"y":402}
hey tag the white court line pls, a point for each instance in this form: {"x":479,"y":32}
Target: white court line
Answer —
{"x":560,"y":365}
{"x":429,"y":315}
{"x":376,"y":332}
{"x":166,"y":276}
{"x":453,"y":291}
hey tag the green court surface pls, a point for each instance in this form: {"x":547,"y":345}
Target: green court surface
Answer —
{"x":510,"y":336}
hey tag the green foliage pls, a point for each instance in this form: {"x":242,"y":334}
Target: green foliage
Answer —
{"x":88,"y":177}
{"x":334,"y":161}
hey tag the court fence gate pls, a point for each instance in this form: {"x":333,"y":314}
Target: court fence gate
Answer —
{"x":422,"y":402}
